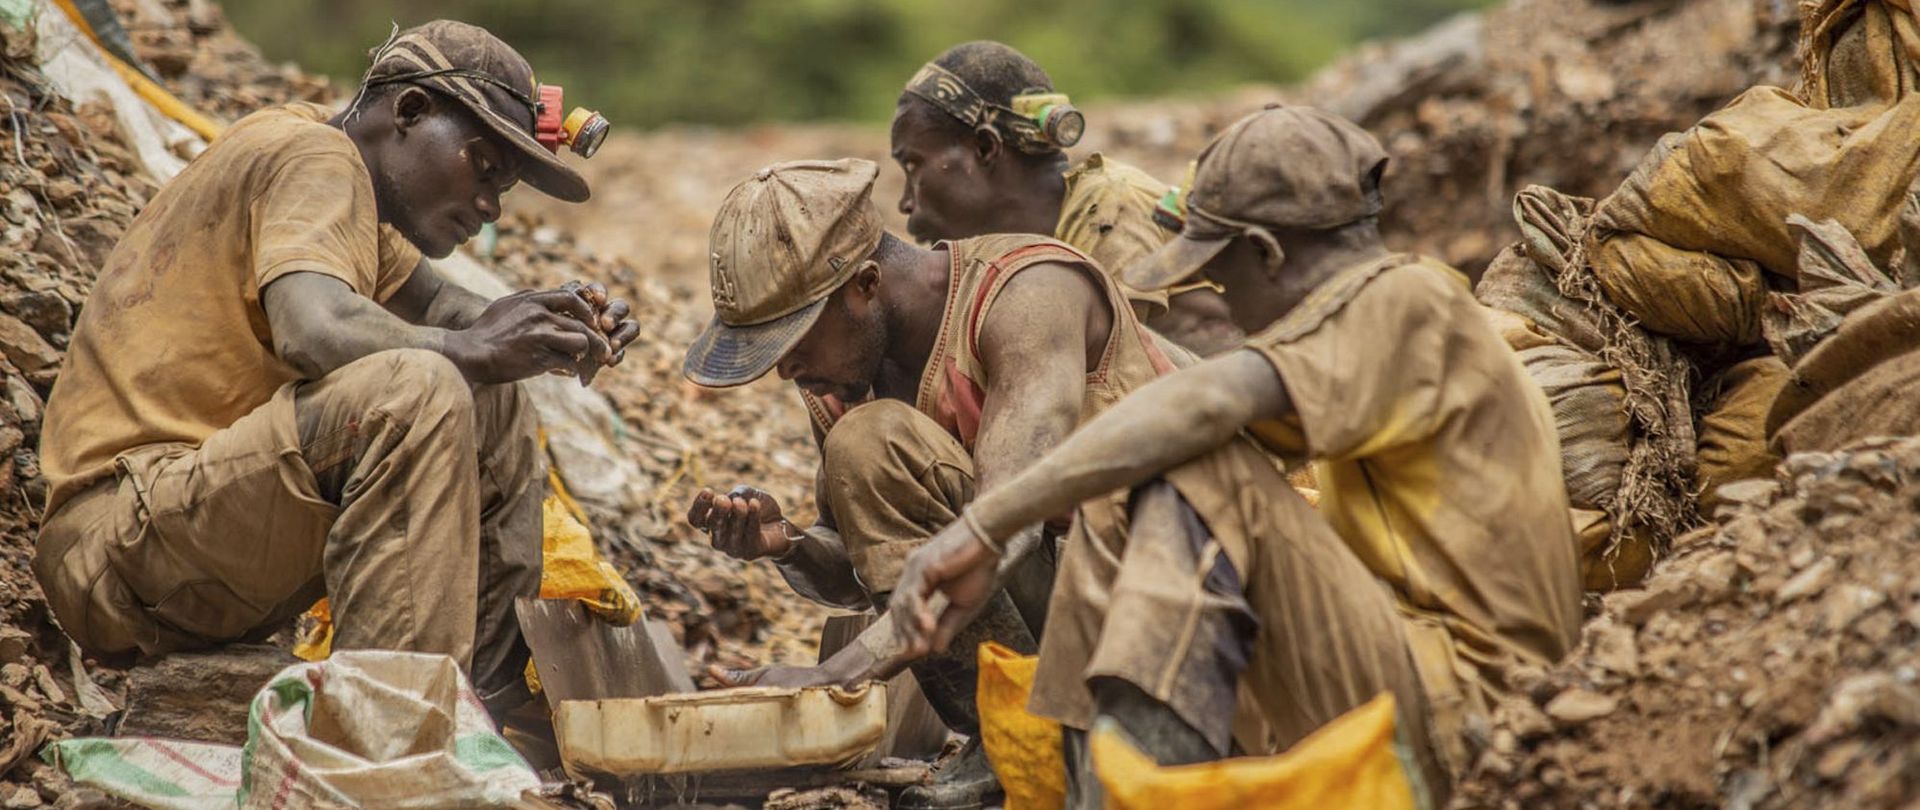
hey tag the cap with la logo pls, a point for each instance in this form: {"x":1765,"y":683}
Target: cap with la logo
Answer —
{"x":783,"y":241}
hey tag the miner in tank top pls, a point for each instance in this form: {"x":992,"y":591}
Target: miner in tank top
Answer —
{"x":981,"y":135}
{"x":928,"y":373}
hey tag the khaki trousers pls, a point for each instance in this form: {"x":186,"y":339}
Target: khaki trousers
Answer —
{"x":1143,"y":596}
{"x":407,"y":497}
{"x":892,"y":478}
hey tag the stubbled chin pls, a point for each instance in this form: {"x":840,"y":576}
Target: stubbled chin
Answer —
{"x":919,"y":234}
{"x":431,"y":248}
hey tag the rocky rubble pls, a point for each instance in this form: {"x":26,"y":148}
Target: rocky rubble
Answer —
{"x":1772,"y":662}
{"x":202,"y":60}
{"x":68,"y":188}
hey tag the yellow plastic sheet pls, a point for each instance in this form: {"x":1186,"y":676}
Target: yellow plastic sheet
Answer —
{"x":573,"y":569}
{"x":1023,"y":747}
{"x":1349,"y":763}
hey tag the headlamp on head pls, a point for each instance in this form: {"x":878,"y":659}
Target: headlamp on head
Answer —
{"x":1058,"y":120}
{"x":582,"y":130}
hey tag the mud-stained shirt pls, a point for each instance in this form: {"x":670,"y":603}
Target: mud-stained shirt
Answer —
{"x":1437,"y":458}
{"x":1107,"y":213}
{"x":173,"y":344}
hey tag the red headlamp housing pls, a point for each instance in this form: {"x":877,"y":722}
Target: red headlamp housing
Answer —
{"x":582,"y":130}
{"x":549,"y":118}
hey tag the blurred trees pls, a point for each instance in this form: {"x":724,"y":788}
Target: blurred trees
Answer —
{"x":649,"y":62}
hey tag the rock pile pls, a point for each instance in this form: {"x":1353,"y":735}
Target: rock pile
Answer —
{"x":1772,"y":662}
{"x":68,"y":188}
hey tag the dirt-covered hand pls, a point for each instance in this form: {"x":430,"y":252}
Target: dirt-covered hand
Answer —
{"x":745,"y":523}
{"x":953,"y":563}
{"x":525,"y":334}
{"x":611,"y":317}
{"x":778,"y":675}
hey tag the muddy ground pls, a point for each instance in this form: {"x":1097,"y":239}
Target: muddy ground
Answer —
{"x":1768,"y":664}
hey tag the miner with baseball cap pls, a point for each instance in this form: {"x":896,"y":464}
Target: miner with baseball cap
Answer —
{"x":271,"y":396}
{"x":1441,"y":551}
{"x":929,"y":374}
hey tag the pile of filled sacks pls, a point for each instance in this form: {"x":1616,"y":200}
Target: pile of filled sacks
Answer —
{"x":1665,"y":321}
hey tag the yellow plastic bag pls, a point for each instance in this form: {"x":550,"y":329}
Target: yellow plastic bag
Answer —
{"x":571,"y":568}
{"x":1023,"y":747}
{"x":315,"y":638}
{"x":1349,"y":763}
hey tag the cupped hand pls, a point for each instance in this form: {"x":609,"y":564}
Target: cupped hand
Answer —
{"x":745,"y":523}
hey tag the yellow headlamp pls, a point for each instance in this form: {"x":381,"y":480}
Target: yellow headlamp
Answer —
{"x":1058,"y":120}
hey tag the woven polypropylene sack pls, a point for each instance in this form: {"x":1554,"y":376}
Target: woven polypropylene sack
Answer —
{"x":375,"y":728}
{"x":1859,"y":52}
{"x":1517,"y":284}
{"x":1727,"y":185}
{"x":1684,"y":294}
{"x":1878,"y":402}
{"x":1733,"y":431}
{"x":1589,"y":414}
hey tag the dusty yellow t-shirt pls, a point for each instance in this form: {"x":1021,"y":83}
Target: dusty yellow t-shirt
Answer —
{"x":1437,"y":457}
{"x":173,"y":344}
{"x":1108,"y":214}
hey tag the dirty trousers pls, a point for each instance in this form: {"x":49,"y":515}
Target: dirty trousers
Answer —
{"x":892,"y":478}
{"x":1221,"y":571}
{"x":408,"y":498}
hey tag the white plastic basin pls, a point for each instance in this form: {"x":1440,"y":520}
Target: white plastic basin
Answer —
{"x":723,"y":730}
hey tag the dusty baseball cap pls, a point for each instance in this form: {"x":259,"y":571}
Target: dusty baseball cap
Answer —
{"x":1282,"y":167}
{"x":784,"y":240}
{"x":488,"y":77}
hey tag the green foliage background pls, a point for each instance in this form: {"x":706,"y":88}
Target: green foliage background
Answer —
{"x":650,"y":62}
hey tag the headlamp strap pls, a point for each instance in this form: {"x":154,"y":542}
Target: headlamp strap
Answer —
{"x":941,"y":88}
{"x":533,"y":104}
